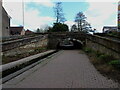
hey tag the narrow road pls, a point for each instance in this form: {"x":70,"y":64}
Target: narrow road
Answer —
{"x":66,"y":69}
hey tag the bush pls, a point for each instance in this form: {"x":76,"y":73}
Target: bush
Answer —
{"x":105,"y":58}
{"x":98,"y":54}
{"x":39,"y":49}
{"x":115,"y":63}
{"x":87,"y":50}
{"x":59,"y":27}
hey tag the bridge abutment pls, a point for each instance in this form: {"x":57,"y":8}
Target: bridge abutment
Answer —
{"x":55,"y":38}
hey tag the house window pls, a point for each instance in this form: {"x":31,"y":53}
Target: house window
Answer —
{"x":6,"y":27}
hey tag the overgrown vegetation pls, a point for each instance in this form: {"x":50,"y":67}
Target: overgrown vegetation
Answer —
{"x":114,"y":34}
{"x":8,"y":59}
{"x":106,"y":64}
{"x":115,"y":63}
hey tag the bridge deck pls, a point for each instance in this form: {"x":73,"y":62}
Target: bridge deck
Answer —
{"x":67,"y":69}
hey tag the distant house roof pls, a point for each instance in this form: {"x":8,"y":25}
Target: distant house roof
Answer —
{"x":16,"y":30}
{"x":109,"y":28}
{"x":28,"y":32}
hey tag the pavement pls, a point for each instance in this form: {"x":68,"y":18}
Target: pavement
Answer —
{"x":66,"y":69}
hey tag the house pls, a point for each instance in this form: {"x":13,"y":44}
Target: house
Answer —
{"x":4,"y":22}
{"x":108,"y":29}
{"x":17,"y":31}
{"x":27,"y":32}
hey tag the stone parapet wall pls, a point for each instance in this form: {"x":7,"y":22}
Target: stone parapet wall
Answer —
{"x":104,"y":45}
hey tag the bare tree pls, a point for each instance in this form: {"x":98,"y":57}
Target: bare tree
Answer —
{"x":79,"y":19}
{"x":73,"y":28}
{"x":86,"y":26}
{"x":38,"y":30}
{"x":59,"y":13}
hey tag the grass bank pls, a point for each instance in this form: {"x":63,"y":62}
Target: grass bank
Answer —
{"x":105,"y":64}
{"x":8,"y":59}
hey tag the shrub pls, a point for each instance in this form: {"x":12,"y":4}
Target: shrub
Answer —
{"x":39,"y":49}
{"x":98,"y":54}
{"x":87,"y":50}
{"x":59,"y":27}
{"x":105,"y":58}
{"x":115,"y":63}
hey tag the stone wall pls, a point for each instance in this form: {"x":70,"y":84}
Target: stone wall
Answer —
{"x":5,"y":23}
{"x":55,"y":38}
{"x":104,"y":45}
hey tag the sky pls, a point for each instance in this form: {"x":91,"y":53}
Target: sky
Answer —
{"x":40,"y":14}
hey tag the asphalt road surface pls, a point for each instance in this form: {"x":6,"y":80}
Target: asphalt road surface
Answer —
{"x":66,"y":69}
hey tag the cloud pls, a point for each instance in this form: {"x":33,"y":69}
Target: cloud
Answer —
{"x":14,"y":9}
{"x":47,"y":4}
{"x":34,"y":21}
{"x":32,"y":18}
{"x":62,"y":0}
{"x":99,"y":13}
{"x":69,"y":23}
{"x":101,"y":0}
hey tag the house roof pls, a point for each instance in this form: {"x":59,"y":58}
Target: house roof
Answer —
{"x":16,"y":29}
{"x":29,"y":31}
{"x":3,"y":10}
{"x":110,"y":27}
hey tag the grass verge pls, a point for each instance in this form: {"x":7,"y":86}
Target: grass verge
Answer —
{"x":8,"y":59}
{"x":107,"y":65}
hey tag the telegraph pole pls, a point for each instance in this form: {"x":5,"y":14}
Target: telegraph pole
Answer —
{"x":23,"y":12}
{"x":119,"y":16}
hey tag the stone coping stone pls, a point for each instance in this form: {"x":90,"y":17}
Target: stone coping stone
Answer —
{"x":24,"y":60}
